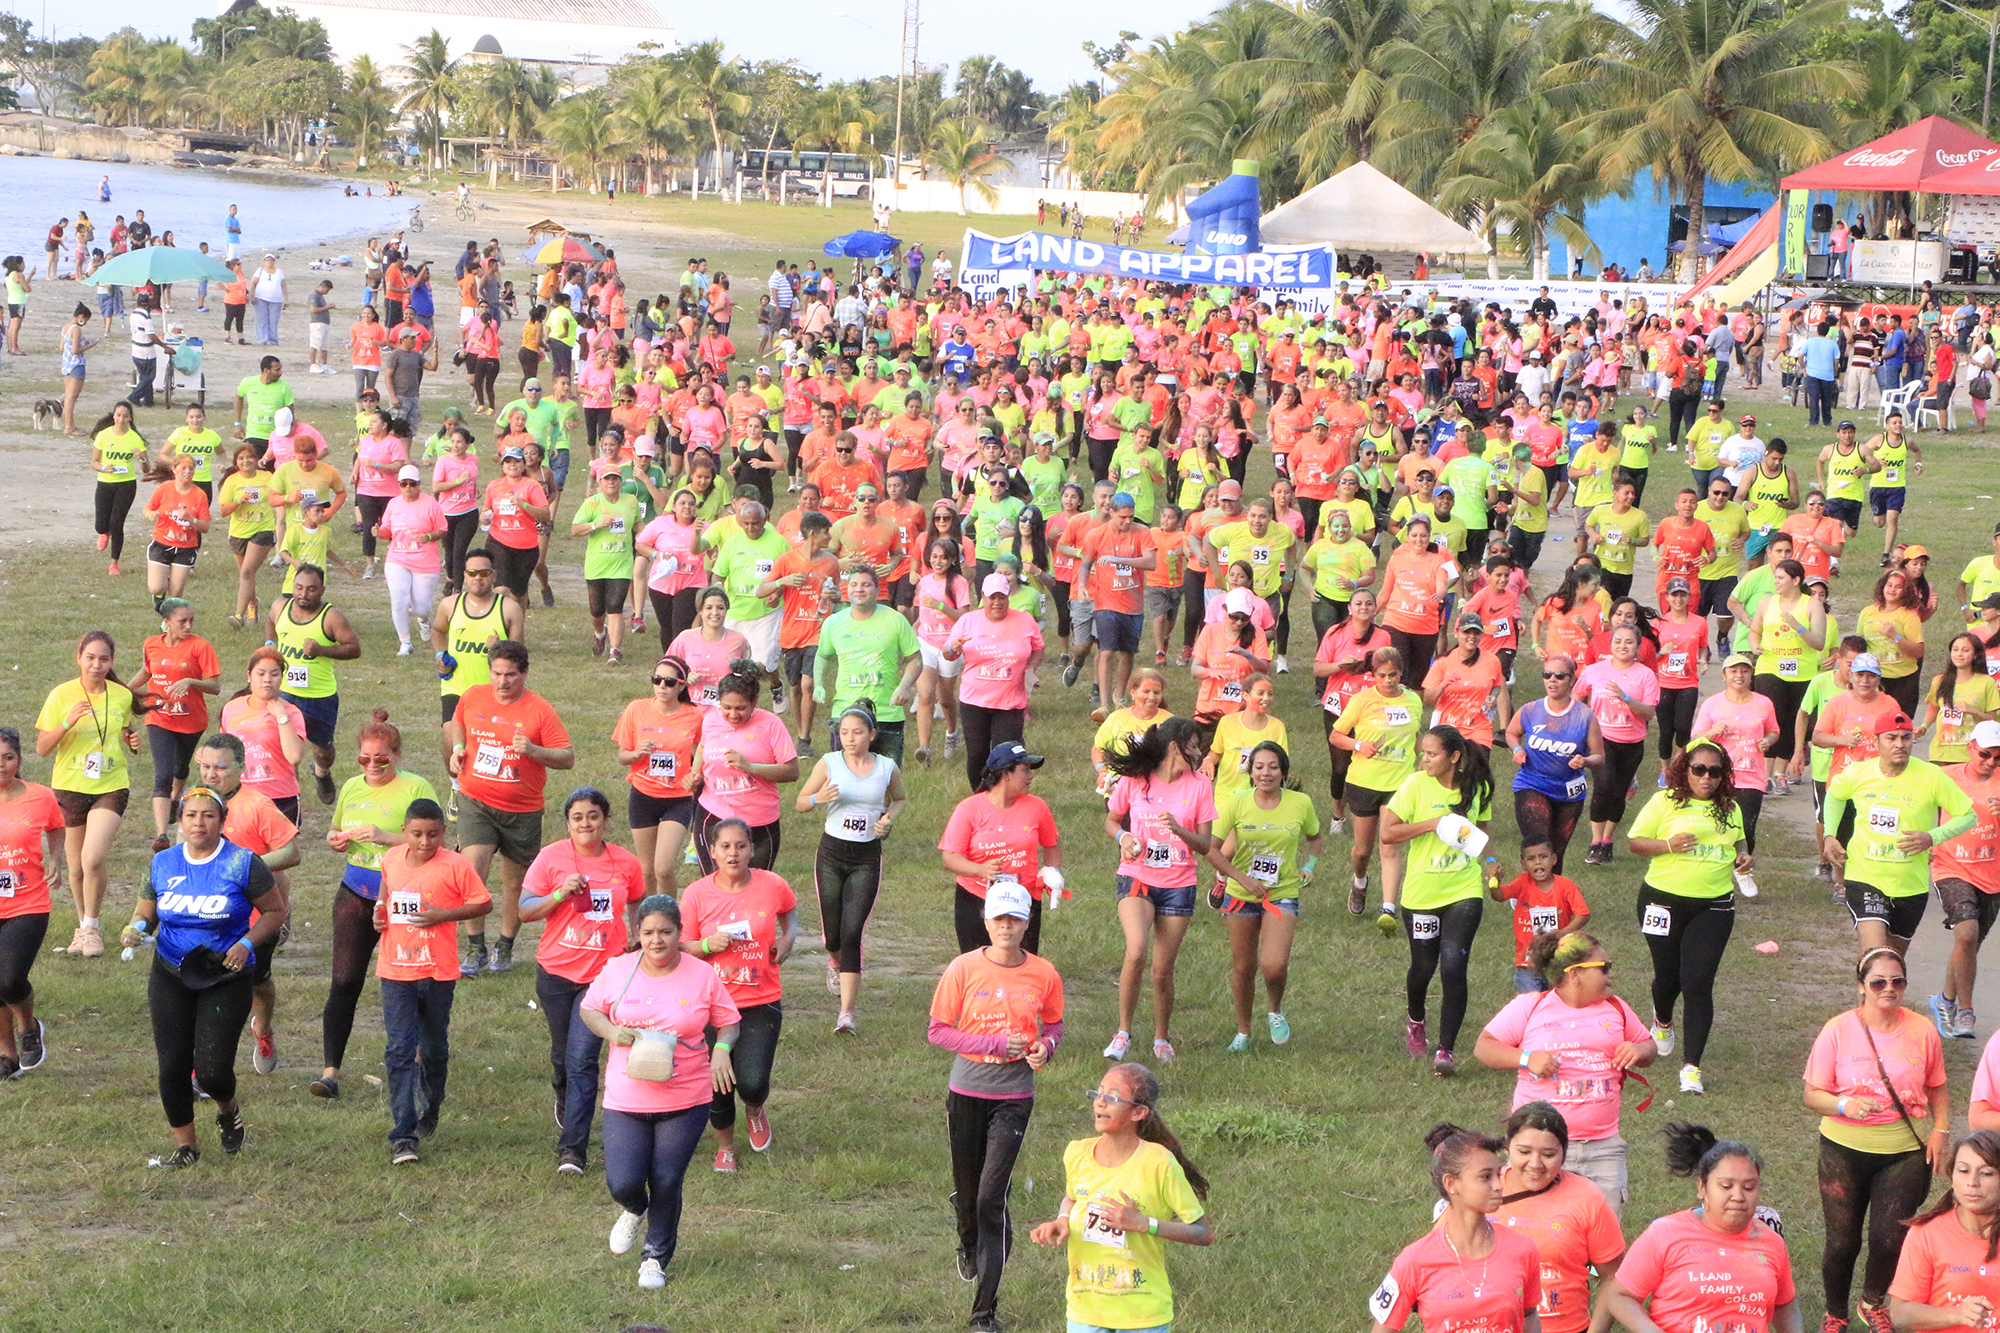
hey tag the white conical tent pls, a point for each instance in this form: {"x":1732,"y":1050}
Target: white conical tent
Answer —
{"x":1361,"y":209}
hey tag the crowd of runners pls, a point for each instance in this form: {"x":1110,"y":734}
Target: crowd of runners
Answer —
{"x":866,"y":557}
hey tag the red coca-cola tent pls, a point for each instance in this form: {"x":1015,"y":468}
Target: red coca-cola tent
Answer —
{"x":1910,"y":159}
{"x":1978,"y":177}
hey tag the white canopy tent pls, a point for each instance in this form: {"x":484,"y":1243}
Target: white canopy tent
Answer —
{"x":1361,"y":209}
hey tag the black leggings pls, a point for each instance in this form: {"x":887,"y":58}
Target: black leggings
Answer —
{"x":1607,"y":793}
{"x":195,"y":1032}
{"x":514,"y":566}
{"x":1447,"y":939}
{"x":1339,"y":761}
{"x":460,"y":530}
{"x":1194,"y":607}
{"x":595,"y":419}
{"x":764,"y":840}
{"x":1281,"y":612}
{"x":984,"y":728}
{"x":1687,"y":953}
{"x":1542,"y":818}
{"x":354,"y":938}
{"x":114,"y":502}
{"x":1785,"y":696}
{"x":1750,"y":804}
{"x":968,"y":913}
{"x":20,"y":940}
{"x":1886,"y":1188}
{"x":1417,"y":650}
{"x":1683,"y":409}
{"x":1905,"y":690}
{"x":1675,"y":719}
{"x":672,"y":612}
{"x":751,"y":1057}
{"x":985,"y":1134}
{"x":370,"y":508}
{"x":482,"y":372}
{"x":173,"y":754}
{"x":1100,"y":456}
{"x":847,"y":875}
{"x":232,"y":317}
{"x":1061,"y":597}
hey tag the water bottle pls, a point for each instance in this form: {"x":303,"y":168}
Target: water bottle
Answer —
{"x":1492,"y":873}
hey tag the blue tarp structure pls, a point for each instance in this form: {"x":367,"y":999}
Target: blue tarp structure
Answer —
{"x":861,"y":245}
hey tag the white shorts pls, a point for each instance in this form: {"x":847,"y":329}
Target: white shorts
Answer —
{"x":763,"y":636}
{"x":933,"y":658}
{"x":468,"y":318}
{"x":316,"y":336}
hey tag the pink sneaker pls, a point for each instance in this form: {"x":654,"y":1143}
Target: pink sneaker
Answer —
{"x":1415,"y":1040}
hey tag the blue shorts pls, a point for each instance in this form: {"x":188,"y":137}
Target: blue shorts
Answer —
{"x":1234,"y":906}
{"x":1885,"y":499}
{"x":559,"y":468}
{"x":1118,"y":631}
{"x":1847,"y":511}
{"x":1754,"y":544}
{"x":1166,"y":902}
{"x":322,"y":717}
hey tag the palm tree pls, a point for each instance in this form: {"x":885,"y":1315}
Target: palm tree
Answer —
{"x":1465,"y":61}
{"x":712,"y":86}
{"x":839,"y":120}
{"x":366,"y":107}
{"x":1073,"y":121}
{"x":960,"y":154}
{"x":504,"y":100}
{"x":117,"y":77}
{"x":432,"y":91}
{"x":1701,"y":89}
{"x":1324,"y":79}
{"x":1526,"y":170}
{"x":585,"y":136}
{"x":649,"y":115}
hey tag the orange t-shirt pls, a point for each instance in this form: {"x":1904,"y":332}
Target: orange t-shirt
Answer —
{"x":978,"y":996}
{"x":1115,"y":586}
{"x":909,"y":518}
{"x":802,"y":605}
{"x":1462,"y":703}
{"x":749,"y":917}
{"x":492,"y":773}
{"x":1571,"y":1227}
{"x":1223,"y":693}
{"x":1173,"y":558}
{"x":193,"y":658}
{"x":664,"y":773}
{"x":414,"y":953}
{"x":24,"y":885}
{"x":1410,"y":590}
{"x":1843,"y":713}
{"x":1288,"y":427}
{"x":909,"y":442}
{"x":1682,"y":549}
{"x":254,"y":822}
{"x":169,"y":530}
{"x":837,"y":484}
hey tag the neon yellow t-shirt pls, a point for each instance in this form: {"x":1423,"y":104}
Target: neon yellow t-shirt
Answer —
{"x":1705,"y":870}
{"x":1267,"y":841}
{"x":1730,"y":524}
{"x":1118,"y":1279}
{"x":1619,"y":536}
{"x":90,"y":757}
{"x":1918,"y":800}
{"x":1437,"y":874}
{"x":1232,"y":745}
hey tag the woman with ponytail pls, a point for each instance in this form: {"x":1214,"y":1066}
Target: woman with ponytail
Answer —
{"x":87,"y":724}
{"x":1946,"y":1277}
{"x":1126,"y":1193}
{"x":1464,"y":1272}
{"x":1440,"y":811}
{"x":1573,"y":1226}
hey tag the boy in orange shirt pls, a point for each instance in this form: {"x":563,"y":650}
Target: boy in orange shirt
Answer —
{"x":808,"y":578}
{"x":1542,"y":901}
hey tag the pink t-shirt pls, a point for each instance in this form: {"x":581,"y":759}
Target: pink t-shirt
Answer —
{"x":1679,"y":659}
{"x":706,"y":427}
{"x":668,"y":536}
{"x":1614,"y":719}
{"x":1428,"y":1280}
{"x":1701,"y":1278}
{"x":726,"y":791}
{"x":1585,"y":1087}
{"x":281,"y":449}
{"x":707,"y":662}
{"x":1741,"y":728}
{"x":684,"y":1002}
{"x":264,"y":766}
{"x":933,"y":626}
{"x":981,"y":831}
{"x":595,"y":385}
{"x":455,"y":481}
{"x":1843,"y":1064}
{"x":376,"y":463}
{"x":996,"y":658}
{"x":408,"y":521}
{"x":1164,"y":861}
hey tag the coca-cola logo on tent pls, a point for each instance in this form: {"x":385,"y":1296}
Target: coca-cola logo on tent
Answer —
{"x":1867,"y":158}
{"x":1945,"y":159}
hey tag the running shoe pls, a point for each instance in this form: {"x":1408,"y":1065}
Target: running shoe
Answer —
{"x":1415,"y":1039}
{"x":1965,"y":1024}
{"x":625,"y":1231}
{"x":598,"y":640}
{"x":1385,"y":920}
{"x":1825,"y":872}
{"x":832,"y":976}
{"x":1691,"y":1078}
{"x":651,"y":1275}
{"x":1281,"y":1031}
{"x":923,"y":754}
{"x":404,"y":1153}
{"x":368,"y":572}
{"x":103,"y":540}
{"x":1876,"y":1317}
{"x":1444,"y":1064}
{"x":427,"y":1123}
{"x":1163,"y":1051}
{"x":968,"y":1265}
{"x":951,"y":743}
{"x":89,"y":942}
{"x":1661,"y":781}
{"x":231,"y":1127}
{"x":473,"y":964}
{"x":1945,"y":1014}
{"x":1239,"y":1043}
{"x":161,"y":843}
{"x":843,"y":1026}
{"x":182,"y":1158}
{"x":1336,"y":827}
{"x":1281,"y":666}
{"x":1159,"y":657}
{"x":1097,"y":715}
{"x":1186,"y":657}
{"x":1591,"y":858}
{"x":325,"y":1088}
{"x":984,"y":1323}
{"x":324,"y":788}
{"x":266,"y":1059}
{"x":759,"y":1127}
{"x":34,"y":1050}
{"x":1070,"y":672}
{"x":1217,"y":894}
{"x":1832,"y":1323}
{"x":1663,"y":1037}
{"x":569,"y":1162}
{"x":548,"y":596}
{"x":1095,"y":700}
{"x":1357,"y":896}
{"x":1120,"y":1043}
{"x":403,"y":650}
{"x":725,"y":1160}
{"x":503,"y":955}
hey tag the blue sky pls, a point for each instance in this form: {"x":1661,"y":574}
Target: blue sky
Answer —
{"x":841,"y":38}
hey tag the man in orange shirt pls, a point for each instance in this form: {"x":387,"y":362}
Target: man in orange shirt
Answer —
{"x":253,"y":822}
{"x":867,"y":539}
{"x":807,"y":576}
{"x":427,"y":890}
{"x":1115,"y":554}
{"x":818,"y":443}
{"x":789,"y":521}
{"x":504,"y":739}
{"x":1682,"y":544}
{"x":841,"y":476}
{"x":1282,"y":360}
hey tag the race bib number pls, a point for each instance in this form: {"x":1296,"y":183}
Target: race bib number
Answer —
{"x":1951,"y":717}
{"x":1383,"y":1302}
{"x":763,"y":568}
{"x":1003,"y":879}
{"x":1396,"y":715}
{"x":488,"y":760}
{"x":251,"y":494}
{"x":855,"y":824}
{"x":1265,"y":866}
{"x":617,"y":526}
{"x":1541,"y":920}
{"x":1232,"y":690}
{"x":1097,"y":1228}
{"x":1260,"y":555}
{"x":1574,"y":788}
{"x":298,"y":675}
{"x":709,"y":692}
{"x":1424,"y":925}
{"x":7,"y":883}
{"x":1892,"y":475}
{"x":1677,"y":664}
{"x":403,"y":908}
{"x":662,"y":764}
{"x":1788,"y":666}
{"x":739,"y":931}
{"x":1158,"y":854}
{"x":1656,"y":920}
{"x":1882,"y":820}
{"x":118,"y":469}
{"x":507,"y":506}
{"x":1500,"y":628}
{"x":307,"y":495}
{"x":93,"y":764}
{"x":600,"y":906}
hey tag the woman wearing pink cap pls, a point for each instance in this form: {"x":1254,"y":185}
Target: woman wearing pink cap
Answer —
{"x":415,"y":525}
{"x":378,"y":457}
{"x":1000,"y":648}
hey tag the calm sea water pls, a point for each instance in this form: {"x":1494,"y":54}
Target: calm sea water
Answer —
{"x":190,"y":202}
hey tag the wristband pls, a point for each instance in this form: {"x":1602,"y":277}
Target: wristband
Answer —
{"x":703,"y":946}
{"x":1152,"y":1226}
{"x":1524,"y":1057}
{"x":138,"y":924}
{"x":814,"y":798}
{"x":1840,"y":1106}
{"x":723,"y":1047}
{"x":559,"y":894}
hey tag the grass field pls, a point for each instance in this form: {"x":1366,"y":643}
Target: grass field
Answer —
{"x":1319,"y":1175}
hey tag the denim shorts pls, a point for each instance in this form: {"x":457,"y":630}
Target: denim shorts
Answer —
{"x":1118,"y":631}
{"x":1078,"y":1326}
{"x":1234,"y":906}
{"x":1166,"y":902}
{"x":559,"y":467}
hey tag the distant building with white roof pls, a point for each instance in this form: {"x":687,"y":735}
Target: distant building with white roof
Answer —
{"x":563,"y":33}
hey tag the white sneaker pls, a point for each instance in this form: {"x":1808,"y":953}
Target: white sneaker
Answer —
{"x":1120,"y":1043}
{"x":1663,"y":1037}
{"x":651,"y":1276}
{"x":1281,"y":666}
{"x":1691,"y":1078}
{"x":625,"y":1231}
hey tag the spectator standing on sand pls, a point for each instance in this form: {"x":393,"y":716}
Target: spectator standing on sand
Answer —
{"x":267,"y":294}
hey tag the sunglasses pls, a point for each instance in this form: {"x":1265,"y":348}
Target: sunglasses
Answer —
{"x":1707,"y":770}
{"x":667,"y":680}
{"x":1887,"y":983}
{"x":1555,"y":675}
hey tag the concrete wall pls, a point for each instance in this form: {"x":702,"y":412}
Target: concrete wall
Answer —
{"x":929,"y":196}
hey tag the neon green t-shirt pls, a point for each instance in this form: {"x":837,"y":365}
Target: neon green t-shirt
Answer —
{"x":1705,"y":870}
{"x":1914,"y":801}
{"x":1116,"y":1277}
{"x":1437,"y":874}
{"x":607,"y":551}
{"x":1620,"y":536}
{"x":1268,"y":842}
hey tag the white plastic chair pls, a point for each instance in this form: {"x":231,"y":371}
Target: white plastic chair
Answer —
{"x":1928,"y":414}
{"x":1901,"y":399}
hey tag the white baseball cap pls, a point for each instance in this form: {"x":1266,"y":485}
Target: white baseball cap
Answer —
{"x":1986,"y":735}
{"x":1009,"y":900}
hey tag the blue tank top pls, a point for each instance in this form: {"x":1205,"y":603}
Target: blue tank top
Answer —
{"x":202,"y":902}
{"x":1551,"y":741}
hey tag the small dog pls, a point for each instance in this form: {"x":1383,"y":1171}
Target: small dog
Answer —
{"x":48,"y":413}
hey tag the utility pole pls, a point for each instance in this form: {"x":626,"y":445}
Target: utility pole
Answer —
{"x":906,"y":71}
{"x":1992,"y":25}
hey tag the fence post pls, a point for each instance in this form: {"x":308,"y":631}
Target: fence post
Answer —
{"x":783,"y":182}
{"x":739,"y":187}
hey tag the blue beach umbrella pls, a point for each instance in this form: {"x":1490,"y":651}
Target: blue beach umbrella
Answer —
{"x":160,"y":263}
{"x":861,"y":245}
